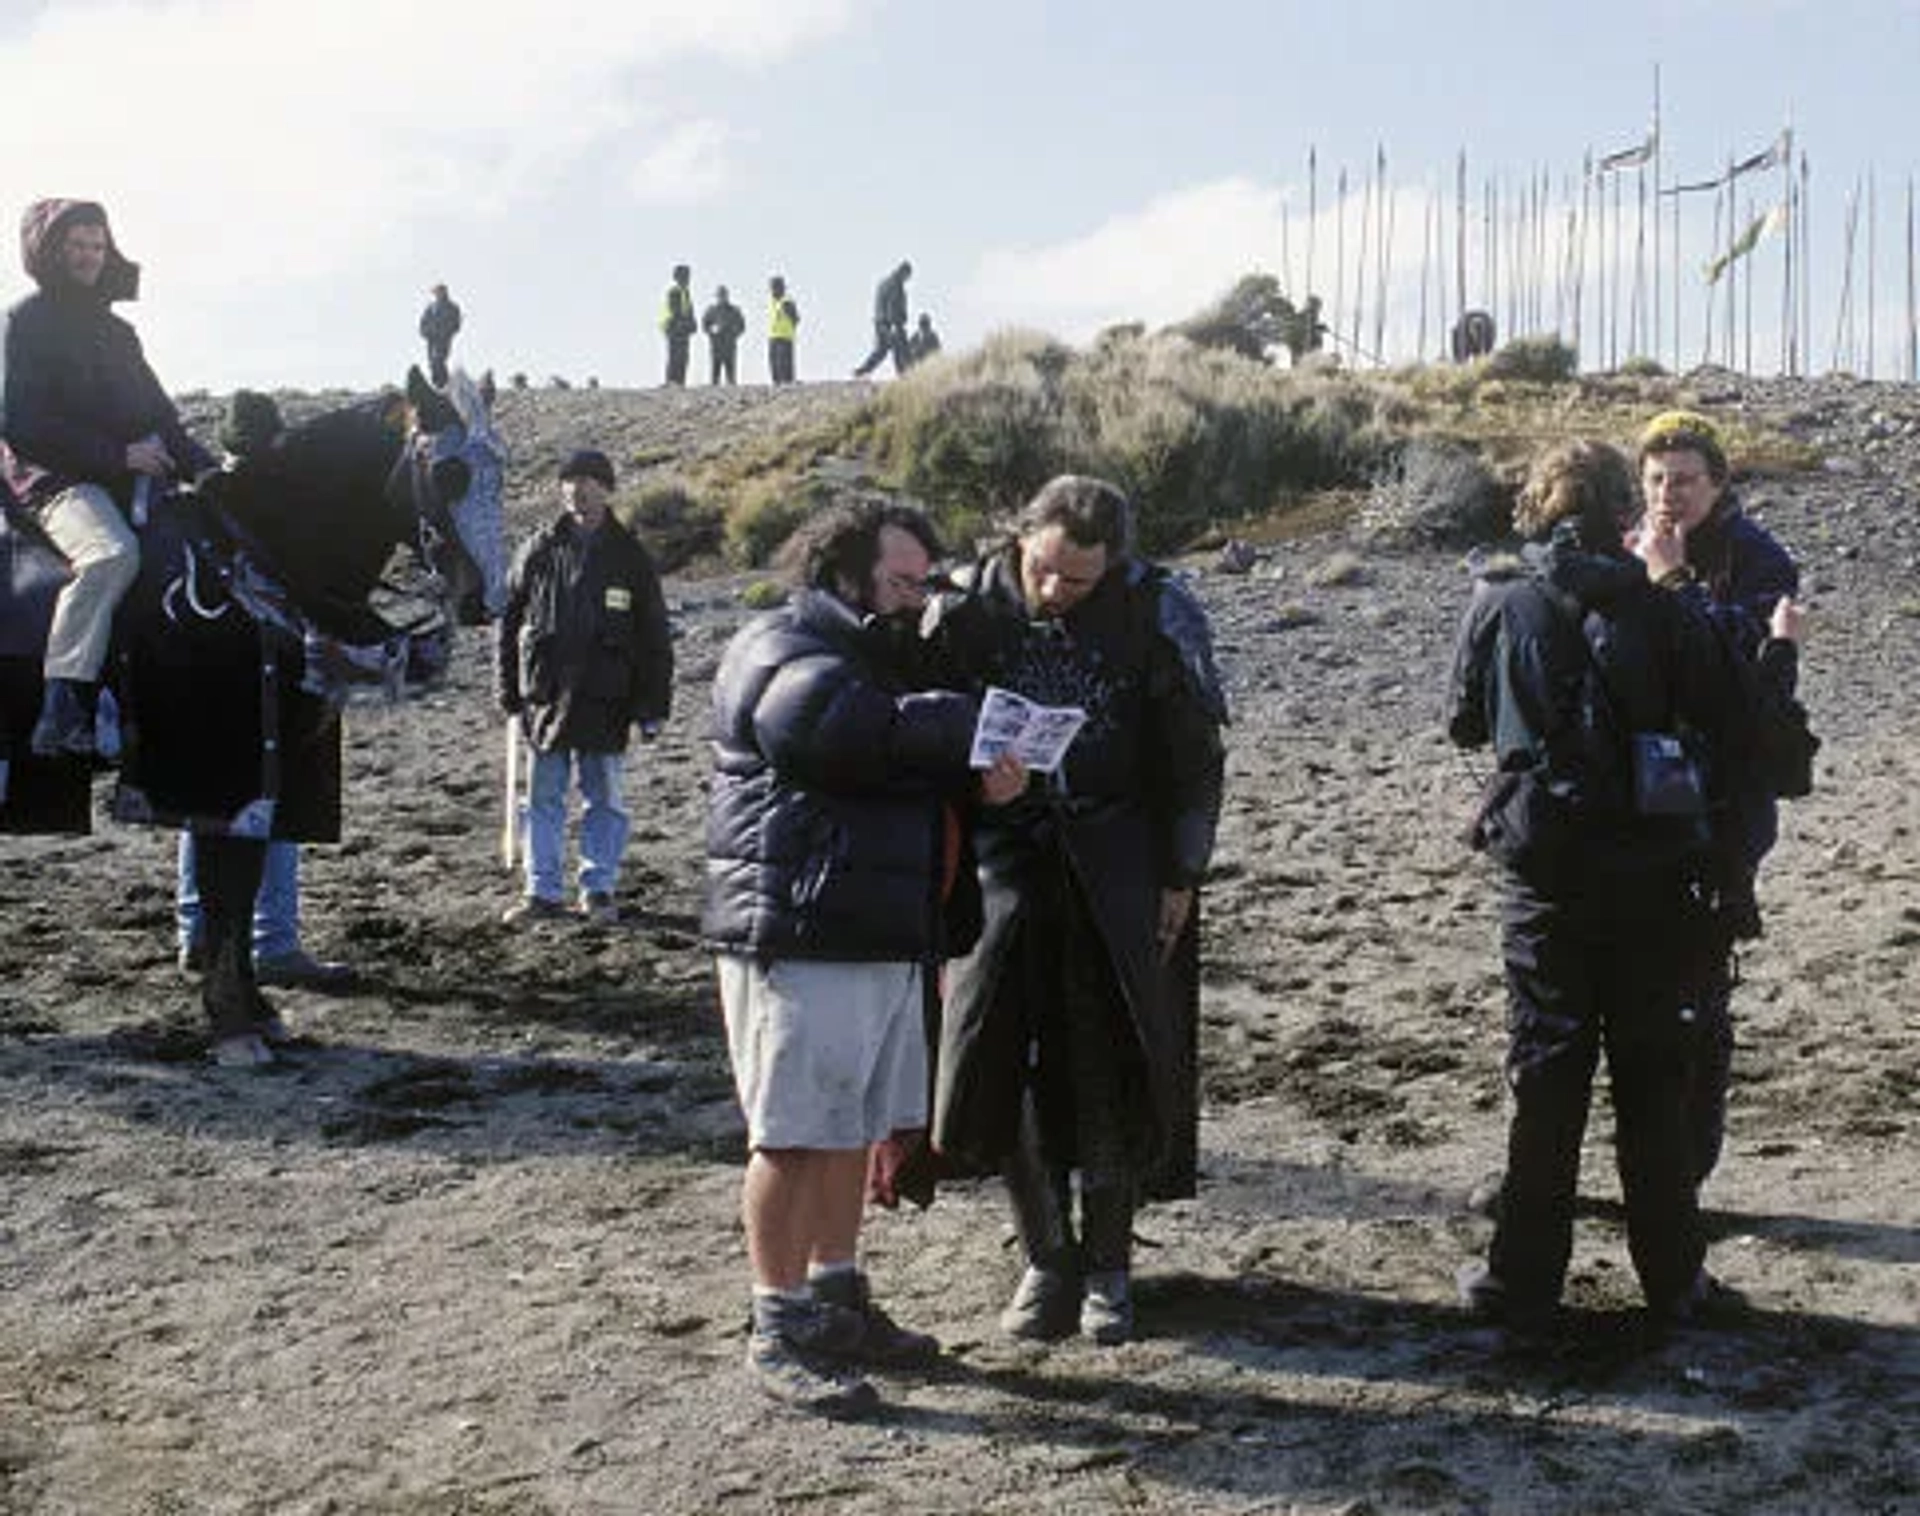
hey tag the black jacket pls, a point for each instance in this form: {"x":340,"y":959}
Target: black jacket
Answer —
{"x":1560,"y":812}
{"x":826,"y":833}
{"x":723,"y":323}
{"x":440,"y":321}
{"x":77,"y":391}
{"x":584,"y":646}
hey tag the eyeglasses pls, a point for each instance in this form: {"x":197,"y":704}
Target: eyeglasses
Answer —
{"x":907,"y":584}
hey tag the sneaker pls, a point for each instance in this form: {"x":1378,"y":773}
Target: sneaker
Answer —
{"x":1484,"y":1198}
{"x":597,"y":909}
{"x":534,"y":908}
{"x":880,"y":1340}
{"x":797,"y":1376}
{"x":1106,"y":1310}
{"x":300,"y":970}
{"x":65,"y":727}
{"x":1045,"y":1307}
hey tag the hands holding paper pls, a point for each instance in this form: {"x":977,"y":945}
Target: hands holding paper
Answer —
{"x":1002,"y":780}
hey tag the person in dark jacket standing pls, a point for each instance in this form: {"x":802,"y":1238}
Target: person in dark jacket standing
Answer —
{"x":585,"y":654}
{"x":1070,"y":1032}
{"x":828,"y":849}
{"x":889,"y":323}
{"x":89,"y":433}
{"x":1697,"y":540}
{"x":678,"y":322}
{"x":439,"y":324}
{"x":723,"y":324}
{"x":783,"y":325}
{"x":1564,"y":668}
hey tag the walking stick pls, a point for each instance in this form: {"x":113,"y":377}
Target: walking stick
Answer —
{"x":510,"y":818}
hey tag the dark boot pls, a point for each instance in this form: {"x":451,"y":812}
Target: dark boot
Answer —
{"x":1106,"y":1231}
{"x":65,"y":727}
{"x":883,"y":1342}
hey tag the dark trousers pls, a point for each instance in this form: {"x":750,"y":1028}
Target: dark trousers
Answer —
{"x":1084,"y":1084}
{"x":437,"y":353}
{"x":678,"y":347}
{"x":723,"y":364}
{"x":227,"y":873}
{"x":780,"y":359}
{"x":1580,"y":980}
{"x":888,"y":342}
{"x":1713,"y":1068}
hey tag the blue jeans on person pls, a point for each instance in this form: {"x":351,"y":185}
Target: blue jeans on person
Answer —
{"x":604,"y":822}
{"x":276,"y":909}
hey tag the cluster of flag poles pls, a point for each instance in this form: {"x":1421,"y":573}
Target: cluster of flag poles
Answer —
{"x":1600,"y":267}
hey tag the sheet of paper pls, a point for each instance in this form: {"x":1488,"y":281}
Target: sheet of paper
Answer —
{"x":1038,"y":735}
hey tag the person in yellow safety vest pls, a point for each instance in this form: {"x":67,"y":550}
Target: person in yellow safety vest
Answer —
{"x":783,"y":322}
{"x":679,"y":323}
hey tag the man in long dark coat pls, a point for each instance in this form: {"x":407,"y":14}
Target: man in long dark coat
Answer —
{"x":1069,"y":1033}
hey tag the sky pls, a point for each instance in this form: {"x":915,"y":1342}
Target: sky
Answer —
{"x":293,"y":175}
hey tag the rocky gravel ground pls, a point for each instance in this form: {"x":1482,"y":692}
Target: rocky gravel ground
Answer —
{"x":474,"y":1248}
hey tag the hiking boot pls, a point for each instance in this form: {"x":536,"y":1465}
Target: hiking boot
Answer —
{"x":802,"y":1378}
{"x":1487,"y":1299}
{"x":1044,"y":1308}
{"x":535,"y":908}
{"x":300,"y":970}
{"x":881,"y":1340}
{"x":1708,"y":1303}
{"x":1106,"y":1310}
{"x":596,"y":908}
{"x":65,"y":727}
{"x":243,"y":1050}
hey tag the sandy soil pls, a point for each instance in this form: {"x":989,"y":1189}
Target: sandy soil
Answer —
{"x":473,"y":1248}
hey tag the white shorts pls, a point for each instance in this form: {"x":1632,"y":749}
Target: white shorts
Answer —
{"x":825,"y":1055}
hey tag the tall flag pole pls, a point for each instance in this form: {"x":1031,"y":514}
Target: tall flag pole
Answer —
{"x":1313,"y":213}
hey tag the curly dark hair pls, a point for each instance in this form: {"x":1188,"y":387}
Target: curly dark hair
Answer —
{"x":842,"y":543}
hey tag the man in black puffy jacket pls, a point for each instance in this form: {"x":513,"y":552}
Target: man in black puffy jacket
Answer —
{"x":584,"y":655}
{"x":831,"y":847}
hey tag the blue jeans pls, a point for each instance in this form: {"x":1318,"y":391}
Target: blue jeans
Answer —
{"x":604,"y":822}
{"x":276,"y":909}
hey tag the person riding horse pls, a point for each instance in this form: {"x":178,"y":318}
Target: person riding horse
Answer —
{"x":89,"y":434}
{"x":254,"y":594}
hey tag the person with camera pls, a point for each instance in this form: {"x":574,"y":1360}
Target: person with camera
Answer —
{"x":1581,"y":674}
{"x":1697,"y":540}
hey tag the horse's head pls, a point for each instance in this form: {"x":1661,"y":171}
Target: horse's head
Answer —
{"x":451,"y":479}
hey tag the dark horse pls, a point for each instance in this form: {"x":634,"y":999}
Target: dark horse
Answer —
{"x":252,"y":617}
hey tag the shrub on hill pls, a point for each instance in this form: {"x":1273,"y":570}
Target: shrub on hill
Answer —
{"x":1535,"y":360}
{"x":1435,"y":493}
{"x":1197,"y":437}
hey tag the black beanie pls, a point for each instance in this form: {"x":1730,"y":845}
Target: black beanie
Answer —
{"x":588,"y":463}
{"x":251,"y":424}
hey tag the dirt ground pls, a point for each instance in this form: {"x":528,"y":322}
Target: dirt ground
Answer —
{"x":473,"y":1248}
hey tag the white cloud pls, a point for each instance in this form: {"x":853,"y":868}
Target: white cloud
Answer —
{"x":1156,"y":264}
{"x":691,"y":165}
{"x":282,"y":141}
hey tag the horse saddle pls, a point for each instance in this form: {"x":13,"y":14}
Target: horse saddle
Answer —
{"x":32,"y":573}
